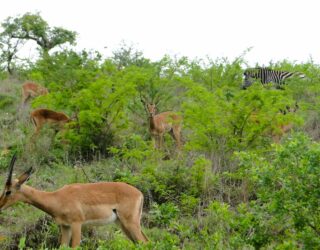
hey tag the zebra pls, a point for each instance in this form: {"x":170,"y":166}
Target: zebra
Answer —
{"x":267,"y":75}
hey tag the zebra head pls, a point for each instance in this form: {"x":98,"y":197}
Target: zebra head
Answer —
{"x":249,"y":76}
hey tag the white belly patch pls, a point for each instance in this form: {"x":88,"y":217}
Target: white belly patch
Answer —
{"x":103,"y":221}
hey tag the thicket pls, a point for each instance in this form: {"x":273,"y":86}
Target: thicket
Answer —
{"x":230,"y":186}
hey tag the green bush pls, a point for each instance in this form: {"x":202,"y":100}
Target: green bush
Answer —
{"x":287,"y":189}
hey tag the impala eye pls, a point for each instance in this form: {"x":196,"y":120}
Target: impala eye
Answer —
{"x":8,"y":193}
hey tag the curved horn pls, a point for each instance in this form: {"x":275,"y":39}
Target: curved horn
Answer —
{"x":13,"y":159}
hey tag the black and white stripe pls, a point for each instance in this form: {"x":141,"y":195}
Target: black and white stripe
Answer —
{"x":266,"y":75}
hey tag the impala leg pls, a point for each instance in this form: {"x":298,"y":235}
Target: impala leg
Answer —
{"x":135,"y":232}
{"x":132,"y":229}
{"x":130,"y":222}
{"x":176,"y":136}
{"x":36,"y":133}
{"x":38,"y":128}
{"x":65,"y":235}
{"x":156,"y":142}
{"x":76,"y":234}
{"x":160,"y":141}
{"x":126,"y":232}
{"x":276,"y":139}
{"x":25,"y":98}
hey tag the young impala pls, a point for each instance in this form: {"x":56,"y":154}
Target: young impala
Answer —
{"x":77,"y":204}
{"x":31,"y":90}
{"x":159,"y":124}
{"x":41,"y":117}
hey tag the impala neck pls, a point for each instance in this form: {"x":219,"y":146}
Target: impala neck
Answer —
{"x":152,"y":121}
{"x":40,"y":199}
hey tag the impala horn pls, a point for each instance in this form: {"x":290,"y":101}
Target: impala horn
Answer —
{"x":13,"y":160}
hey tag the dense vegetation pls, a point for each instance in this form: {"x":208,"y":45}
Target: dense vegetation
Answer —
{"x":229,"y":187}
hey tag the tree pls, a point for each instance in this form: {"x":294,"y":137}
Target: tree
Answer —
{"x":127,"y":55}
{"x":33,"y":27}
{"x":9,"y":49}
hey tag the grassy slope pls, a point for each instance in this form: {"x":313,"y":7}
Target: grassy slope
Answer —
{"x":24,"y":221}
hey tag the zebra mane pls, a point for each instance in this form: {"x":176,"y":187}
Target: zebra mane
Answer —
{"x":257,"y":68}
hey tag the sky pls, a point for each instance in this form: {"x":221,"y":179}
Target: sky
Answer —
{"x":274,"y":30}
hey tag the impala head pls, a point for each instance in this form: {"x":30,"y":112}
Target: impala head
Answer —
{"x":11,"y":193}
{"x":151,"y":108}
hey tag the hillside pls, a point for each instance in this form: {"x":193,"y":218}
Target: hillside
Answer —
{"x":230,"y":186}
{"x":219,"y":166}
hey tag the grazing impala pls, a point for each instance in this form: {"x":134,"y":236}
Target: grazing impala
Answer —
{"x":31,"y":90}
{"x":162,"y":123}
{"x":40,"y":117}
{"x":77,"y":204}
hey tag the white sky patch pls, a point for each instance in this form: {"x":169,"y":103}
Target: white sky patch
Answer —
{"x":275,"y":29}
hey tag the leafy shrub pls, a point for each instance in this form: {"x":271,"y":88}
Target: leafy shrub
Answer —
{"x":287,"y":189}
{"x":163,"y":214}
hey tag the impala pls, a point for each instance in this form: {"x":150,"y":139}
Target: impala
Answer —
{"x":41,"y":117}
{"x":31,"y":90}
{"x":159,"y":124}
{"x":77,"y":204}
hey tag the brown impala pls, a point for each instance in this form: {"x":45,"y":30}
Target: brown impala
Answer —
{"x":159,"y":124}
{"x":77,"y":204}
{"x":40,"y":117}
{"x":31,"y":90}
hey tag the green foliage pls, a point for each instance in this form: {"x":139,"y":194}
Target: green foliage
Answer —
{"x":5,"y":101}
{"x":231,"y":186}
{"x":287,"y":188}
{"x":162,"y":215}
{"x":33,"y":27}
{"x":97,"y":104}
{"x":127,"y":55}
{"x":22,"y":243}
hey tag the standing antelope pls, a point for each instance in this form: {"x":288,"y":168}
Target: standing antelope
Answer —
{"x":41,"y":116}
{"x":31,"y":90}
{"x":77,"y":204}
{"x":162,"y":123}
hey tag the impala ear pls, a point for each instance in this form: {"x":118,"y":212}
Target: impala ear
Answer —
{"x":24,"y":177}
{"x":143,"y":101}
